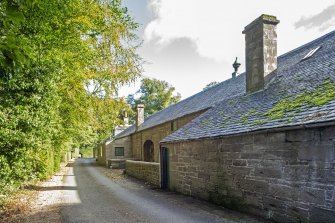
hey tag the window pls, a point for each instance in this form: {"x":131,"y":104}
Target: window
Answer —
{"x":119,"y":151}
{"x":173,"y":125}
{"x":311,"y":53}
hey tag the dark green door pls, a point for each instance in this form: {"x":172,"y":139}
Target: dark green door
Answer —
{"x":164,"y":167}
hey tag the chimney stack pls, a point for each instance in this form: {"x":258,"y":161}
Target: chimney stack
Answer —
{"x":126,"y":119}
{"x":140,"y":115}
{"x":260,"y":51}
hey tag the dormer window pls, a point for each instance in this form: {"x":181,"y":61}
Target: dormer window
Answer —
{"x":311,"y":53}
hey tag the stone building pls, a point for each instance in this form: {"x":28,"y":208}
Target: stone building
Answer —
{"x":142,"y":140}
{"x":108,"y":149}
{"x":269,"y":151}
{"x":262,"y":142}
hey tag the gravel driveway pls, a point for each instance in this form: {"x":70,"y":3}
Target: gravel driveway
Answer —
{"x":84,"y":192}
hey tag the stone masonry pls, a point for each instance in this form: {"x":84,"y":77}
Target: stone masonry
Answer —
{"x":123,"y":142}
{"x":100,"y":154}
{"x":260,"y":51}
{"x":149,"y":172}
{"x":156,"y":134}
{"x":286,"y":176}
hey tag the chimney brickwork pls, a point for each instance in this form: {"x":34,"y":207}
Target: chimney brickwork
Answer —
{"x":260,"y":51}
{"x":140,"y":115}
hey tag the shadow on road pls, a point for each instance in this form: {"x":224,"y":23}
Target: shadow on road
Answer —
{"x":41,"y":188}
{"x":70,"y":164}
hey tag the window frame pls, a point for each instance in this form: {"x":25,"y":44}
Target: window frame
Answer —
{"x":117,"y":151}
{"x":311,"y":53}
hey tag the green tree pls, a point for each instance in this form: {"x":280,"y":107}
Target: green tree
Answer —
{"x":155,"y":95}
{"x":61,"y":64}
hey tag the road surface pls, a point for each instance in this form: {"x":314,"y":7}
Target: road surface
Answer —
{"x":90,"y":196}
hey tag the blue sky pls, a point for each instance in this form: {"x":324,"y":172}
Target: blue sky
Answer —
{"x":140,"y":12}
{"x":190,"y":43}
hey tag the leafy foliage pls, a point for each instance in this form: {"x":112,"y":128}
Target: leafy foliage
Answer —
{"x":61,"y":64}
{"x":155,"y":95}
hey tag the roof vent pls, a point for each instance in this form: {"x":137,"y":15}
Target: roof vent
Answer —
{"x":311,"y":53}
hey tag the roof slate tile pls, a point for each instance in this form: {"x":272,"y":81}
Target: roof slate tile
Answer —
{"x":293,"y":78}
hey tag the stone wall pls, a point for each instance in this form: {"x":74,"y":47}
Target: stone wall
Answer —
{"x":124,"y":142}
{"x":149,"y":172}
{"x":285,"y":176}
{"x":156,"y":134}
{"x":136,"y":146}
{"x":106,"y":151}
{"x":101,"y":154}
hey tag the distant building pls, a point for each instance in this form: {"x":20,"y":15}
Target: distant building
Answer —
{"x":106,"y":150}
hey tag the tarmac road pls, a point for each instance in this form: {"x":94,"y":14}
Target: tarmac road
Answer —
{"x":90,"y":196}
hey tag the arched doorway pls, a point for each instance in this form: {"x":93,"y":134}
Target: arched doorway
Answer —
{"x":148,"y":149}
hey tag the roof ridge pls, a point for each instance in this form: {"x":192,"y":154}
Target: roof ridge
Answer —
{"x":195,"y":95}
{"x":308,"y":43}
{"x":242,"y":115}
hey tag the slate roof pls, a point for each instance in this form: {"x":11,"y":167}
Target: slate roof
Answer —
{"x":198,"y":102}
{"x":293,"y":80}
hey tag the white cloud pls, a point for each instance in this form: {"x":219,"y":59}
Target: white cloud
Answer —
{"x":214,"y":30}
{"x":215,"y":26}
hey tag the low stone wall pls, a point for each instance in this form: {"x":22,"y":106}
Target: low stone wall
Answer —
{"x":286,"y":176}
{"x":147,"y":171}
{"x":117,"y":163}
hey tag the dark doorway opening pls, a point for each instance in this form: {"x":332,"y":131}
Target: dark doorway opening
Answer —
{"x":148,"y":151}
{"x":164,"y":167}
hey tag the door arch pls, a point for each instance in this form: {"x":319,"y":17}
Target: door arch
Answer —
{"x":148,"y":151}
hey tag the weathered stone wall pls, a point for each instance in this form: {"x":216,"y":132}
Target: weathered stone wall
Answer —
{"x":147,"y":171}
{"x":124,"y":142}
{"x":156,"y":134}
{"x":106,"y":151}
{"x":136,"y":146}
{"x":260,"y":51}
{"x":101,"y":154}
{"x":285,"y":176}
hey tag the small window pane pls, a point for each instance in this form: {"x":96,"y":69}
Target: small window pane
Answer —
{"x":119,"y":151}
{"x":310,"y":53}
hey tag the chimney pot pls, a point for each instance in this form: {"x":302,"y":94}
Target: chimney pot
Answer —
{"x":260,"y":51}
